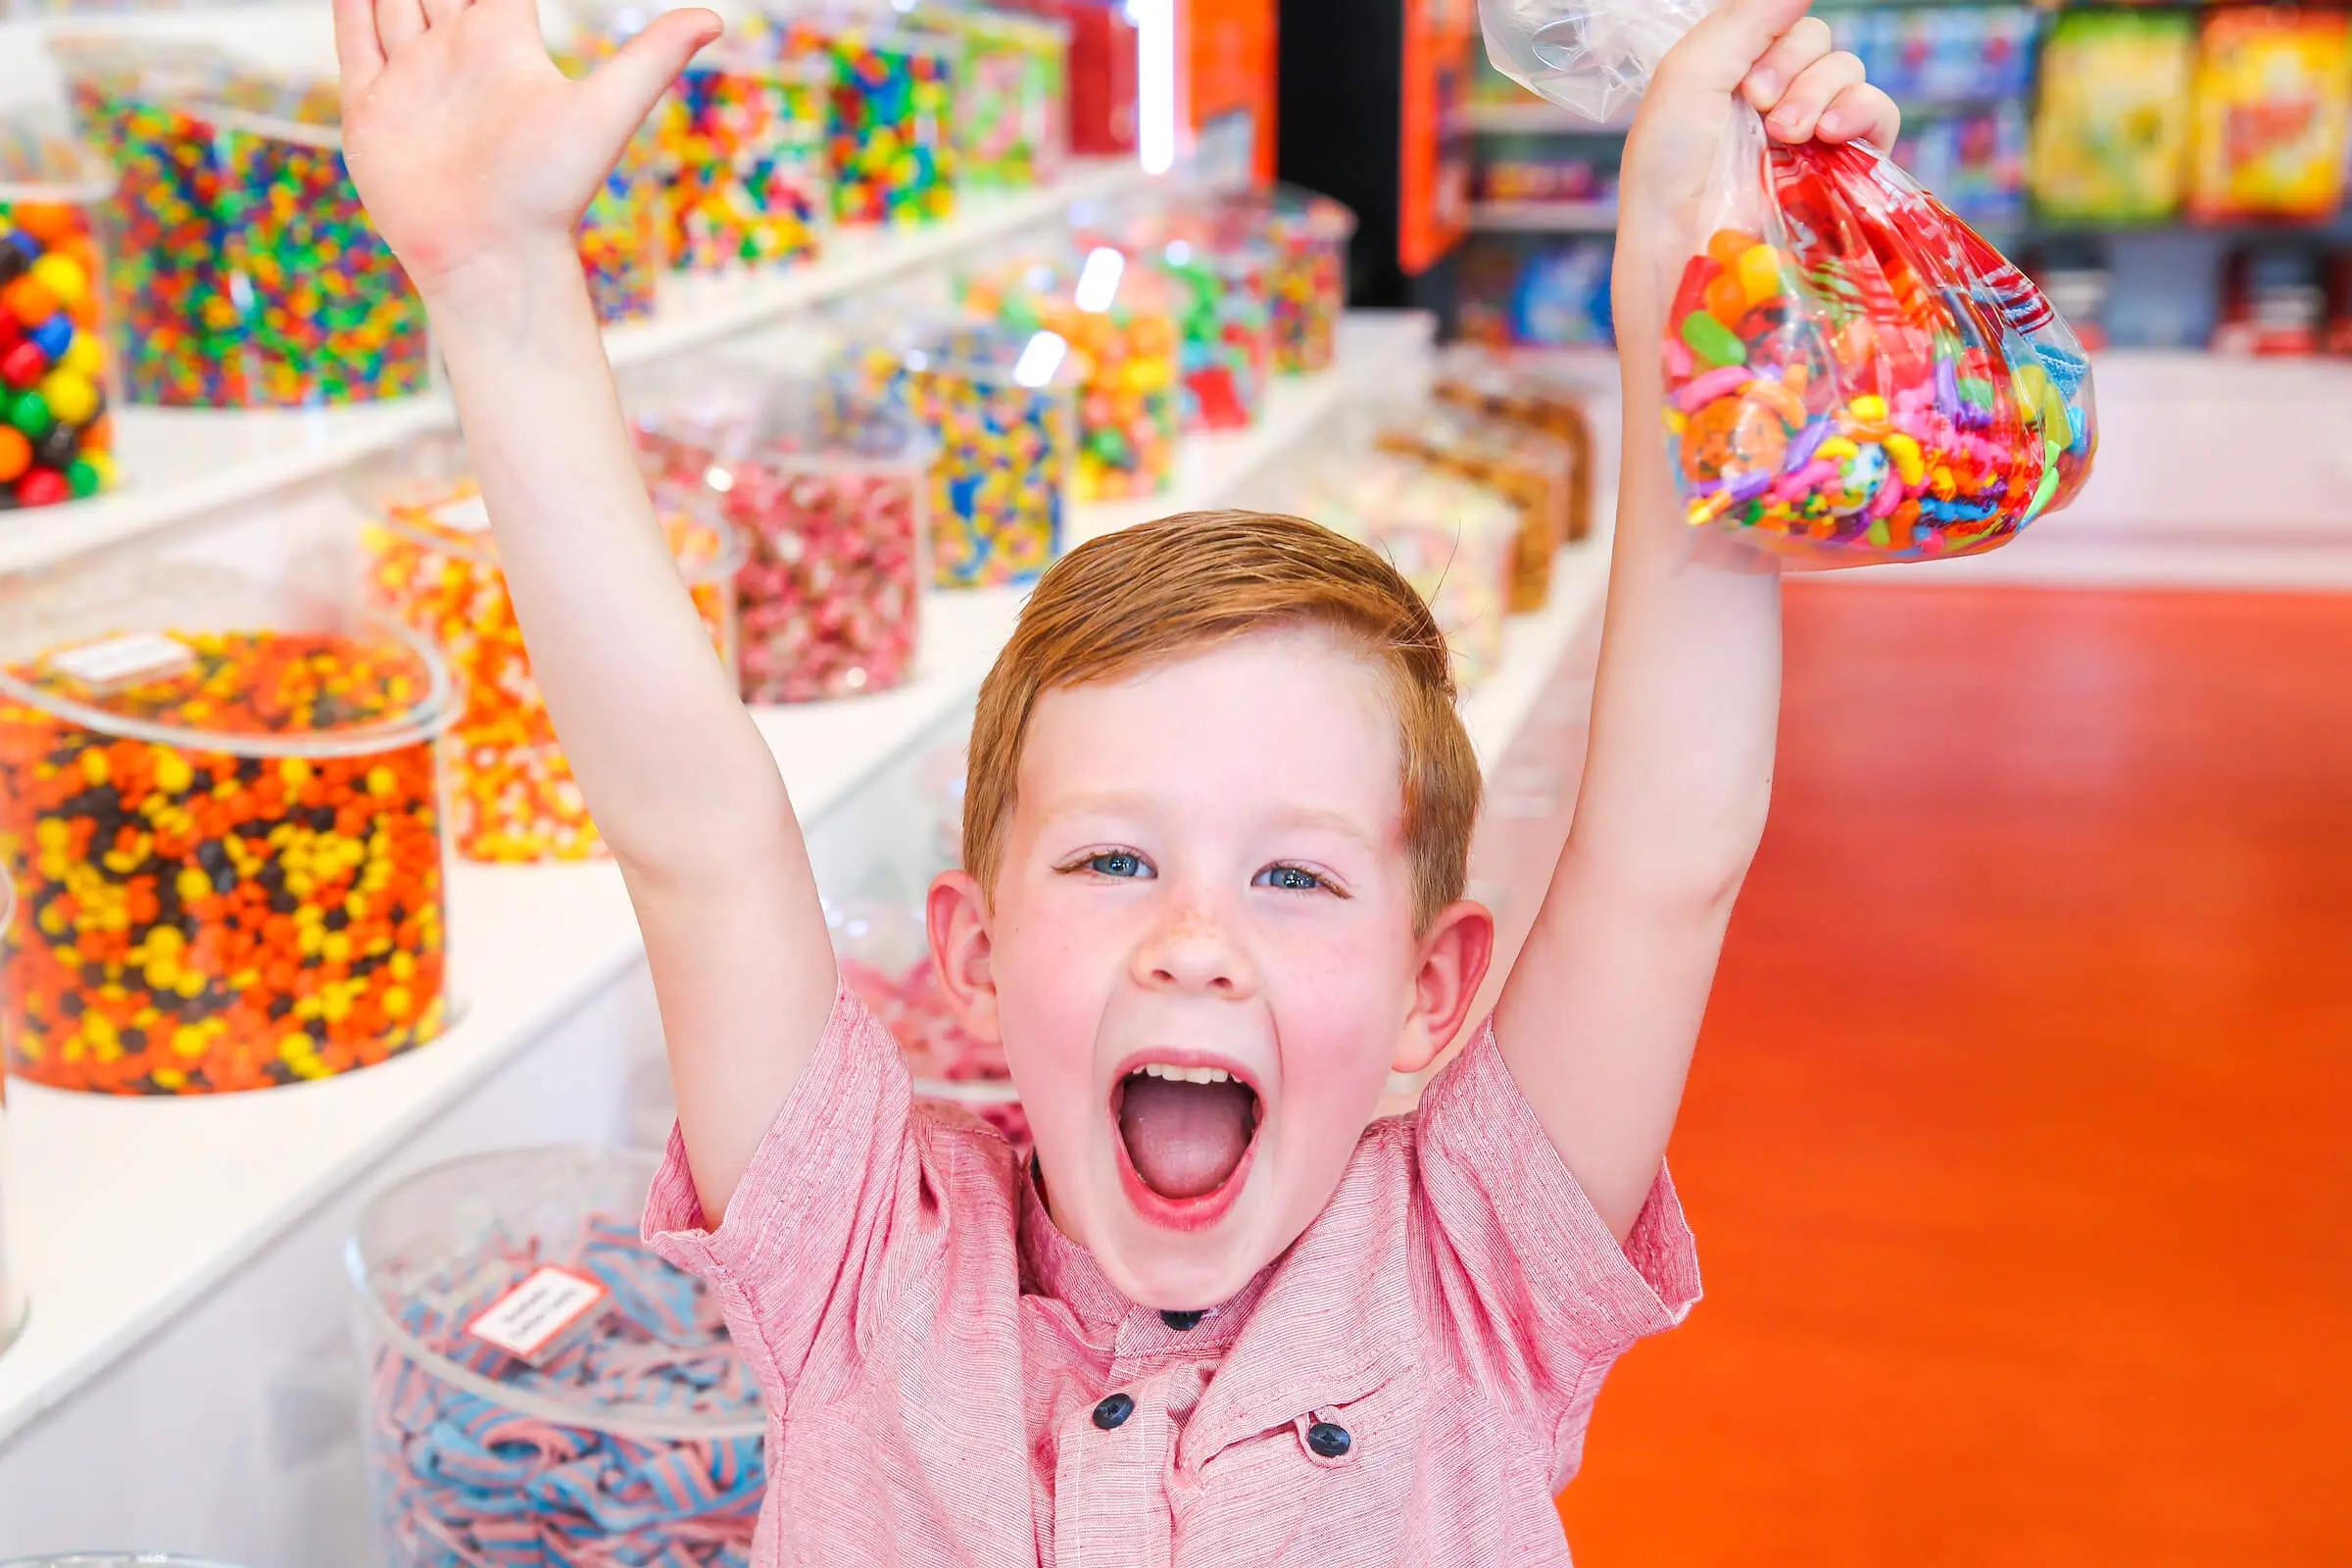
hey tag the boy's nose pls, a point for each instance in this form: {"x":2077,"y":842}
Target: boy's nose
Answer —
{"x":1195,"y":953}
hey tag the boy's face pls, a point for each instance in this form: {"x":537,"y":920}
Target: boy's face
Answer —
{"x":1206,"y":874}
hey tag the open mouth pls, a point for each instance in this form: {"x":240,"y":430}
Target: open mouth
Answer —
{"x":1185,"y":1136}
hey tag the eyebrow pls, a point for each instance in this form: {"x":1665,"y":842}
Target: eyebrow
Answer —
{"x":1291,"y":818}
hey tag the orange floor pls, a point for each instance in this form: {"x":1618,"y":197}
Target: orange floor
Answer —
{"x":2017,"y":1144}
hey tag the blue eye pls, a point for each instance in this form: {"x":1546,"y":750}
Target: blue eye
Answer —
{"x":1118,"y":864}
{"x":1288,"y":878}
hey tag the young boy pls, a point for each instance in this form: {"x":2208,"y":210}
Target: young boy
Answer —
{"x":1219,"y":811}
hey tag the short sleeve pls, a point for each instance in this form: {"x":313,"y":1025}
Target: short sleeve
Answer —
{"x":1539,"y":1297}
{"x":809,"y":1247}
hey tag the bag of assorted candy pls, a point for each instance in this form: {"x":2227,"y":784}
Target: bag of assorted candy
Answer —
{"x":1853,"y":376}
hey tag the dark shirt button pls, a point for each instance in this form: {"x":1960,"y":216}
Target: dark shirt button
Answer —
{"x":1115,"y":1411}
{"x":1181,"y":1321}
{"x":1332,"y":1443}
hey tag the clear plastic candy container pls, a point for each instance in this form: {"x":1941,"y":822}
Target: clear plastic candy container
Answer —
{"x":245,"y":271}
{"x":1307,"y":235}
{"x":1524,"y":393}
{"x":223,"y":811}
{"x":830,"y":493}
{"x":1530,"y":470}
{"x":1447,"y":537}
{"x":12,"y":1289}
{"x":1011,"y":102}
{"x":116,"y":1559}
{"x":1001,"y":409}
{"x":1223,"y":306}
{"x":885,"y":957}
{"x":889,"y":149}
{"x":1119,"y":319}
{"x":631,"y":1435}
{"x":740,"y":149}
{"x":622,"y":251}
{"x":56,"y":379}
{"x":430,"y":564}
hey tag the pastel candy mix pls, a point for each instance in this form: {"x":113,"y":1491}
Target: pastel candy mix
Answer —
{"x":57,"y":438}
{"x":481,"y":1458}
{"x":739,"y":146}
{"x":230,"y":867}
{"x":430,"y":566}
{"x":1003,"y":417}
{"x":1527,"y":468}
{"x":1123,"y":339}
{"x":1869,"y":381}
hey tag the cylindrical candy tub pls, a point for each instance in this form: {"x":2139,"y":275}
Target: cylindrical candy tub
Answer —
{"x":1309,"y":235}
{"x":830,"y":493}
{"x":1223,"y":305}
{"x":741,"y":149}
{"x":890,"y":150}
{"x":630,"y":1435}
{"x":1002,"y":410}
{"x":57,"y":381}
{"x":1012,"y":100}
{"x":223,"y":816}
{"x":430,"y":564}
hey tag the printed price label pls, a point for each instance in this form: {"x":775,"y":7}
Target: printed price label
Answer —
{"x":126,"y":661}
{"x":531,"y":1321}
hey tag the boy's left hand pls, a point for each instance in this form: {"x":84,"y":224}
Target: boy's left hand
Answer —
{"x":1780,"y":60}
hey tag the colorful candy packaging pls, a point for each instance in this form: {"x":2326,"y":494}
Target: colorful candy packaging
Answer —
{"x":2274,"y":107}
{"x":57,"y":378}
{"x":1000,"y":407}
{"x":540,"y":1387}
{"x":222,"y":814}
{"x":830,"y":494}
{"x":245,"y":270}
{"x":12,"y":1290}
{"x":1534,"y":472}
{"x":430,"y":564}
{"x":1011,"y":99}
{"x":1119,"y":319}
{"x":2113,"y":121}
{"x":890,"y":150}
{"x":1524,"y":391}
{"x":1853,"y":374}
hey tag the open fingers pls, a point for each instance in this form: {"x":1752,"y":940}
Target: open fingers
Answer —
{"x":399,"y":24}
{"x":1790,"y":57}
{"x":1810,"y":94}
{"x":1861,"y":114}
{"x":357,"y":53}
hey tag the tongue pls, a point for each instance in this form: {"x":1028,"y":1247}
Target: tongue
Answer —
{"x":1184,"y":1139}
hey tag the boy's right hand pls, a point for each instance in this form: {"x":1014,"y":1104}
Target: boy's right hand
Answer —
{"x":471,"y":149}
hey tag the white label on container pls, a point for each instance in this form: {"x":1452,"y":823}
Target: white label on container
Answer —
{"x":126,"y":661}
{"x":532,"y":1318}
{"x":469,"y":516}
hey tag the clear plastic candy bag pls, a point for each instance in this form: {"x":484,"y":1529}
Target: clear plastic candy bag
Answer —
{"x":1853,"y":376}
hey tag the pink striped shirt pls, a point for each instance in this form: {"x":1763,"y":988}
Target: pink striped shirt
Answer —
{"x":951,"y":1380}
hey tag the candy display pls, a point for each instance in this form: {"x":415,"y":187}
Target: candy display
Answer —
{"x":2113,"y":120}
{"x":1451,"y":539}
{"x":885,"y":959}
{"x":245,"y":270}
{"x":1974,"y":161}
{"x":1003,"y":410}
{"x":889,"y":152}
{"x":225,"y":833}
{"x":1105,"y":55}
{"x":2274,"y":114}
{"x":830,"y":492}
{"x":432,"y":566}
{"x":1527,"y":291}
{"x":1223,"y":305}
{"x":740,"y":147}
{"x":12,"y":1293}
{"x":621,"y":248}
{"x":540,"y":1387}
{"x":1932,"y":55}
{"x":1530,"y":171}
{"x":1011,"y":99}
{"x":1534,"y":472}
{"x":1309,"y":235}
{"x":1523,"y":392}
{"x":56,"y":376}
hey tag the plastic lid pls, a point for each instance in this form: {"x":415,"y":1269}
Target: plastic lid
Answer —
{"x":40,"y":162}
{"x":433,"y":1252}
{"x":738,"y":411}
{"x":116,"y":1559}
{"x":208,"y":660}
{"x":203,"y":83}
{"x":424,"y":489}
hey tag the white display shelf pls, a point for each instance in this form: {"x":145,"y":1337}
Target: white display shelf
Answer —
{"x":1544,"y":217}
{"x":182,"y":465}
{"x":127,"y":1210}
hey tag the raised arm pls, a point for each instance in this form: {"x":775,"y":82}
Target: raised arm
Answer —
{"x":476,"y":158}
{"x":1601,"y":1011}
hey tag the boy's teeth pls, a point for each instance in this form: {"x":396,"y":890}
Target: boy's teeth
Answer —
{"x":1186,"y":1075}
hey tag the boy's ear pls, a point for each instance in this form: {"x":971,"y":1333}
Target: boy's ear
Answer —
{"x":957,"y":915}
{"x":1454,"y":957}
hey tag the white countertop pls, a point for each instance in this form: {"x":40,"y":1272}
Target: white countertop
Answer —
{"x":125,"y":1210}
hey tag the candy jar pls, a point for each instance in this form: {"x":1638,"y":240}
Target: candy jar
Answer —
{"x":1527,"y":469}
{"x":223,"y":811}
{"x":1223,"y":304}
{"x":1105,"y":52}
{"x":1012,"y":100}
{"x":11,"y":1291}
{"x":885,"y":957}
{"x":623,"y":243}
{"x":538,"y":1379}
{"x":432,"y":564}
{"x":57,"y":439}
{"x":741,"y":150}
{"x":1450,"y":538}
{"x":889,"y":149}
{"x":1523,"y":393}
{"x":1120,"y":321}
{"x":245,"y":270}
{"x":1308,"y":237}
{"x":1000,"y":407}
{"x":830,"y":492}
